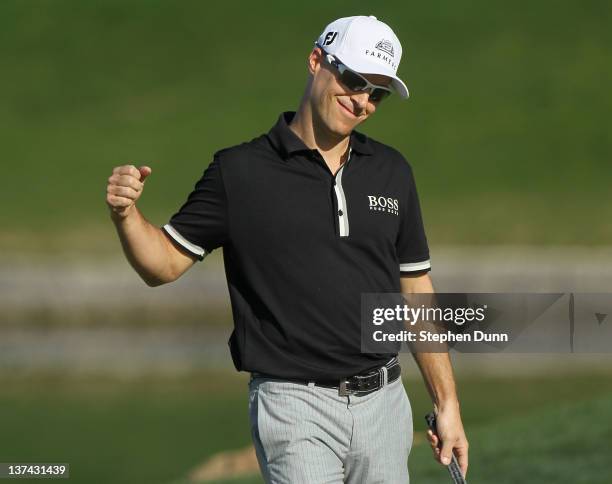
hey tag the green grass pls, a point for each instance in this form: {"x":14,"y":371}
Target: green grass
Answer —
{"x":155,"y":430}
{"x":506,"y":126}
{"x":562,"y":443}
{"x":142,"y":432}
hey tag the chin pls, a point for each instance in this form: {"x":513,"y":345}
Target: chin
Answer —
{"x":334,"y":126}
{"x":336,"y":122}
{"x":342,"y":128}
{"x":341,"y":125}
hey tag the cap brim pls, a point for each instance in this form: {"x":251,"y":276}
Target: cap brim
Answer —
{"x":400,"y":87}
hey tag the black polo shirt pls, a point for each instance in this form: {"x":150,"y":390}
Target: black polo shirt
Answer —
{"x":301,"y":245}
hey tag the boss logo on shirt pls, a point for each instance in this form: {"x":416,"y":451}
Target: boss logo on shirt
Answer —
{"x":384,"y":204}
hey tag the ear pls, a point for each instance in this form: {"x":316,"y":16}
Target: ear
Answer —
{"x":314,"y":60}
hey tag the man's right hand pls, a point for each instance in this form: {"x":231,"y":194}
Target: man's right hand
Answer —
{"x":124,"y":187}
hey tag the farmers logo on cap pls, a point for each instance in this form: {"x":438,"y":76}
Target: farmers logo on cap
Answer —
{"x":385,"y":46}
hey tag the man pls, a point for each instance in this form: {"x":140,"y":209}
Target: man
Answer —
{"x":310,"y":216}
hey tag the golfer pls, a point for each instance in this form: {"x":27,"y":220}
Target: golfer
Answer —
{"x":310,"y":216}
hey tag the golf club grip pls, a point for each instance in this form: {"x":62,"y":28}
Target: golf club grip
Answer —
{"x":453,"y":467}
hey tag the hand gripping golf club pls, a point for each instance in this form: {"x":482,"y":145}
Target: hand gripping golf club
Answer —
{"x":453,"y":467}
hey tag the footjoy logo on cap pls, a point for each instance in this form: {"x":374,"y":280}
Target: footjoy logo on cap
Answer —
{"x":385,"y":46}
{"x":330,"y":37}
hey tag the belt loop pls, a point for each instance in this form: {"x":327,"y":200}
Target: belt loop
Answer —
{"x":311,"y":384}
{"x":385,"y":376}
{"x":342,"y":390}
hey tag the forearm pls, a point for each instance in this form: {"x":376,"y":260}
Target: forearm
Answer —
{"x":145,"y":247}
{"x":450,"y":436}
{"x":435,"y":367}
{"x":437,"y":373}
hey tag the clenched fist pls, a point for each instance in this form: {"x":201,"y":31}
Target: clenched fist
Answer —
{"x":124,"y":188}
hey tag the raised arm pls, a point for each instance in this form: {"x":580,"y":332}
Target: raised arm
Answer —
{"x":147,"y":249}
{"x":438,"y":376}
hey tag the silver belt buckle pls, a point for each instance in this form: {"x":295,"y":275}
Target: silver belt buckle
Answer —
{"x":342,"y":390}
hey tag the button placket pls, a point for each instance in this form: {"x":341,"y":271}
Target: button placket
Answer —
{"x":343,"y":222}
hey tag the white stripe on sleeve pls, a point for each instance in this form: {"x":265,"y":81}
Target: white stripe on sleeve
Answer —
{"x":415,"y":266}
{"x":193,"y":248}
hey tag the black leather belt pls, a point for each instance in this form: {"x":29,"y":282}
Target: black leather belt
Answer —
{"x":358,"y":385}
{"x":365,"y":383}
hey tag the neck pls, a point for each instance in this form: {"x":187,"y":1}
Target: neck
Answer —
{"x":332,"y":147}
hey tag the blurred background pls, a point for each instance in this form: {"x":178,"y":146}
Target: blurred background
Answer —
{"x":507,"y":132}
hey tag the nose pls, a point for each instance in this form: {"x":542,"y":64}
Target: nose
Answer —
{"x":360,"y":100}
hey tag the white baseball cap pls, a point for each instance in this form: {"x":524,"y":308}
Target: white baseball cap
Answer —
{"x":365,"y":45}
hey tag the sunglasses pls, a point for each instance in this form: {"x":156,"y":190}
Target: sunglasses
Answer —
{"x":355,"y":81}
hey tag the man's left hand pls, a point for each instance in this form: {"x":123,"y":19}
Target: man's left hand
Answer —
{"x":452,"y":435}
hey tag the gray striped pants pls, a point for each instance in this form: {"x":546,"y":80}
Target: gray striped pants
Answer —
{"x":306,"y":434}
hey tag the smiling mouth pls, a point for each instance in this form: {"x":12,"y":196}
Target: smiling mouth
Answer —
{"x":346,"y":109}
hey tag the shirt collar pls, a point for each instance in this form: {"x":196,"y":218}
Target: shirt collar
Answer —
{"x":286,"y":142}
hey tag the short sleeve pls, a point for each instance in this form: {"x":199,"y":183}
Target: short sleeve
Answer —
{"x":200,"y":225}
{"x":411,"y":246}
